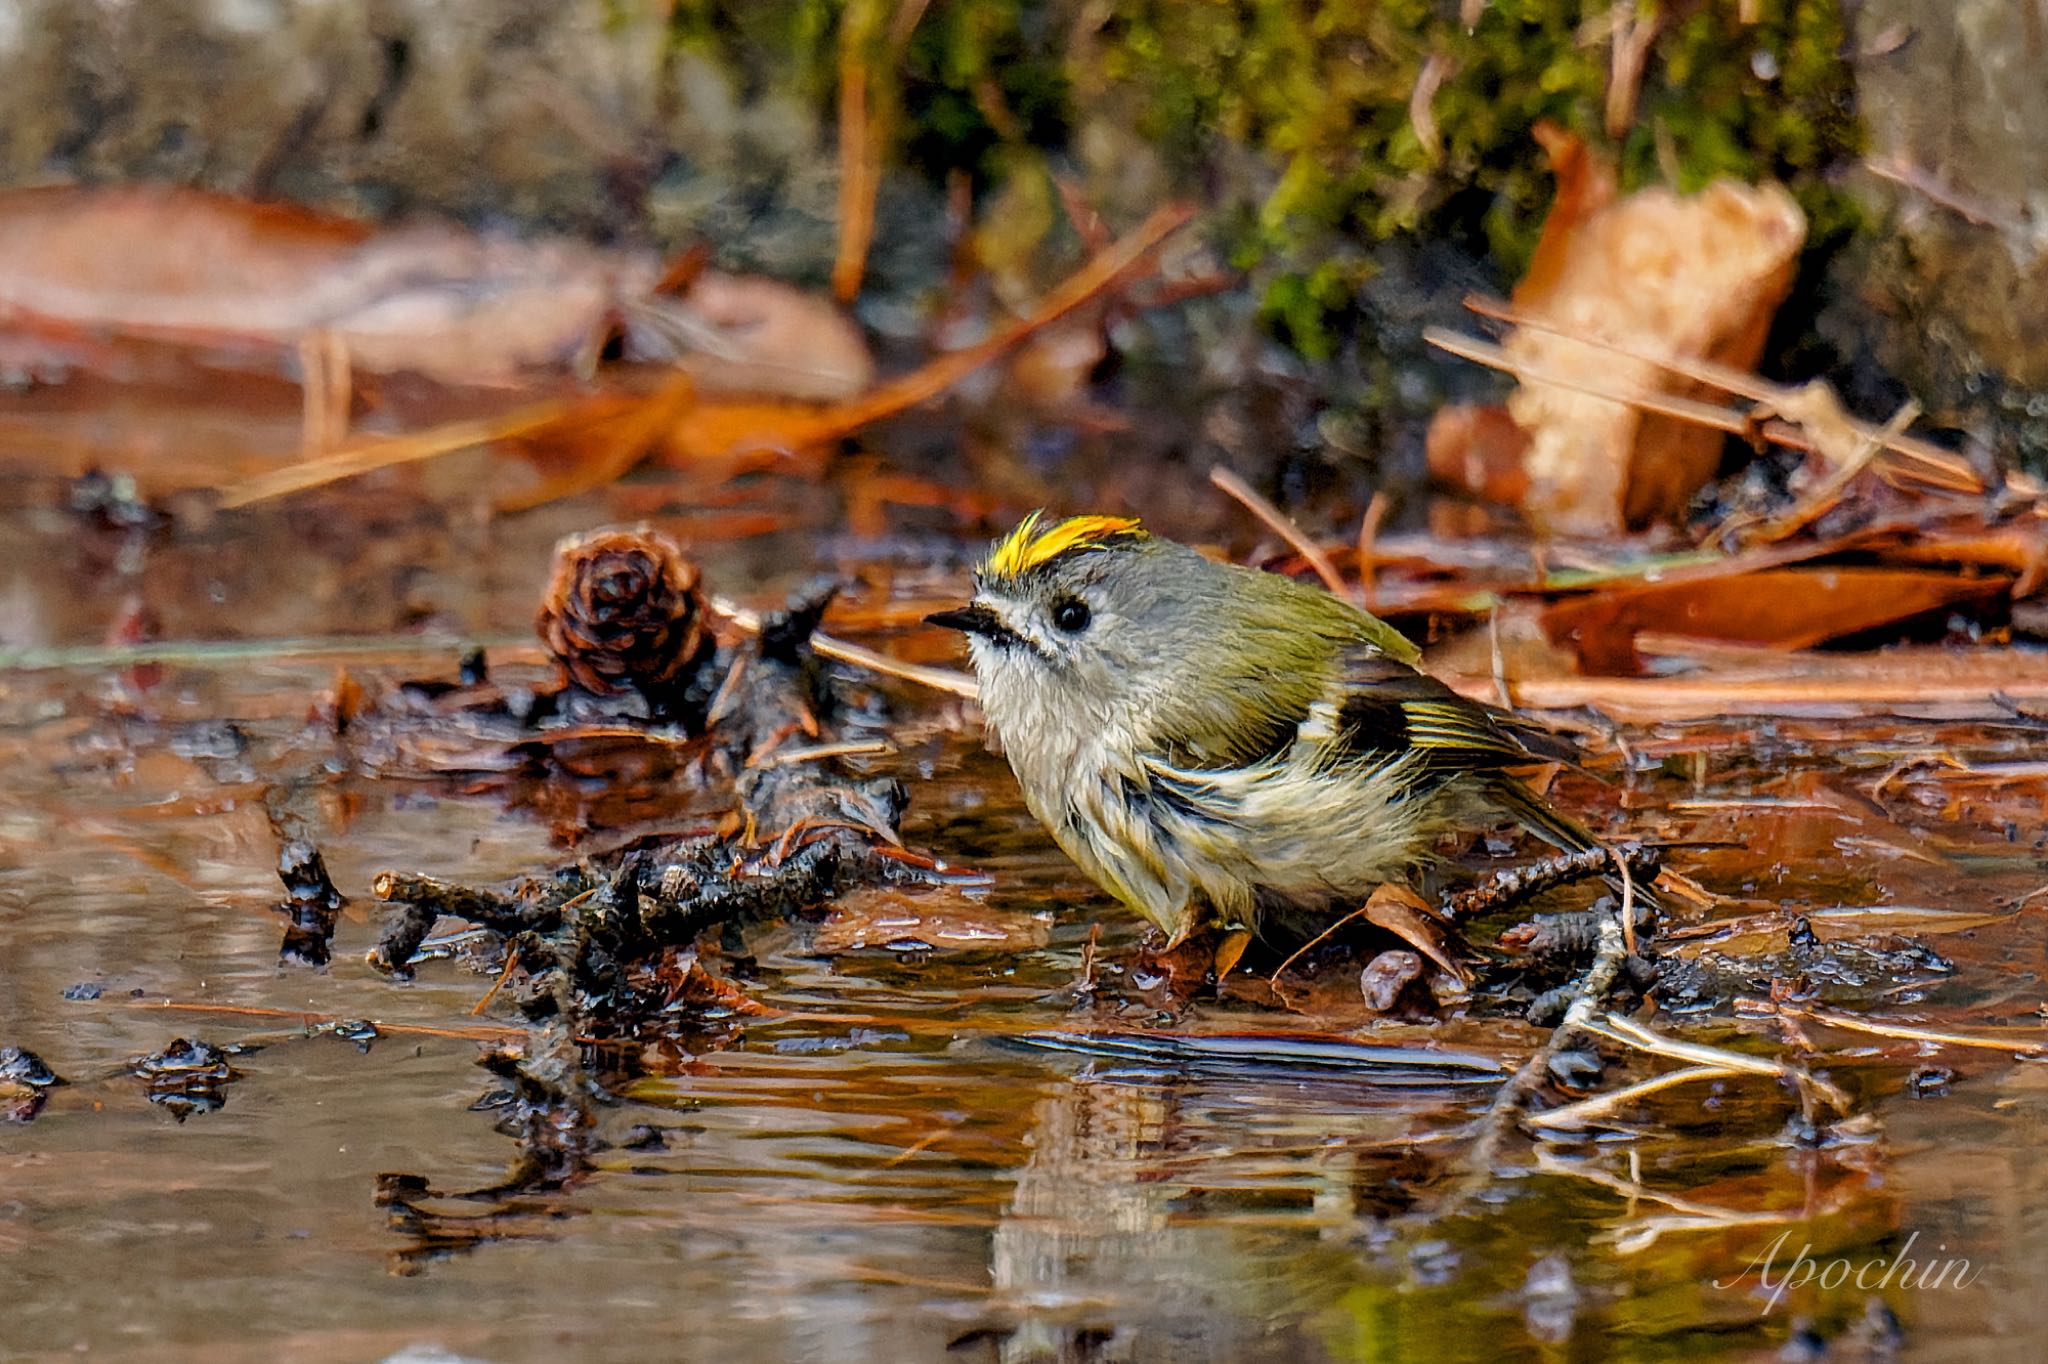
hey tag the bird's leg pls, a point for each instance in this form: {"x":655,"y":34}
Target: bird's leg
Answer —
{"x":1175,"y":974}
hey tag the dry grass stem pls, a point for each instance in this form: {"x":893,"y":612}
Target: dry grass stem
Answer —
{"x":1634,"y":1035}
{"x":1283,"y":526}
{"x":1576,"y":1117}
{"x":385,"y":452}
{"x":1905,"y":1032}
{"x":1948,"y":469}
{"x":947,"y":680}
{"x":820,"y":752}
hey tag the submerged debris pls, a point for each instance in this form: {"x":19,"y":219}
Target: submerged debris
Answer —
{"x":627,"y":622}
{"x":25,"y":1084}
{"x":19,"y":1066}
{"x":311,"y":902}
{"x":188,"y":1076}
{"x":1802,"y":966}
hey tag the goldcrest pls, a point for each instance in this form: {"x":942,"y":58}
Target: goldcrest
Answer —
{"x":1213,"y":744}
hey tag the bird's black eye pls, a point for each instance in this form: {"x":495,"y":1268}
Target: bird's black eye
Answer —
{"x":1071,"y":615}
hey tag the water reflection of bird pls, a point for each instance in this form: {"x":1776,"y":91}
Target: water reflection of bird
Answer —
{"x":1087,"y":1255}
{"x":1163,"y":1220}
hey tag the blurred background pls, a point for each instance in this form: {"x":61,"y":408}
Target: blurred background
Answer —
{"x":1357,"y":167}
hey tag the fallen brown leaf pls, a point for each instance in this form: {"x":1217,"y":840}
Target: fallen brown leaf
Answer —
{"x":1408,"y":916}
{"x":1697,"y":275}
{"x":1788,"y":608}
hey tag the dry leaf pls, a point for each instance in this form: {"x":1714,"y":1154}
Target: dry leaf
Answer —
{"x":1783,"y":608}
{"x":1407,"y":916}
{"x":1666,"y":275}
{"x":685,"y":978}
{"x":215,"y":272}
{"x":1479,"y":450}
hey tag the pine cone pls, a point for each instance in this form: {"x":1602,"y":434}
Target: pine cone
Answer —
{"x":624,"y":613}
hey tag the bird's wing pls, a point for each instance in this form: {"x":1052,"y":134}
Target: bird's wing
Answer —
{"x":1380,"y":706}
{"x":1380,"y":709}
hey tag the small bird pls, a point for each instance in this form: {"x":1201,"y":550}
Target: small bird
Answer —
{"x":1215,"y":745}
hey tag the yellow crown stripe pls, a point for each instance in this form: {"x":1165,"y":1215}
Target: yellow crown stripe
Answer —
{"x":1028,"y":546}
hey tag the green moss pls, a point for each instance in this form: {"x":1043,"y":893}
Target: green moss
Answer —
{"x":1323,"y":94}
{"x":783,"y":44}
{"x":1292,"y":118}
{"x":981,"y":80}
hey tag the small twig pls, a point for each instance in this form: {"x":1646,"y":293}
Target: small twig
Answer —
{"x":861,"y":134}
{"x":1085,"y":983}
{"x":938,"y":679}
{"x":1685,"y":888}
{"x":1608,"y":958}
{"x":1631,"y":1034}
{"x":424,"y":900}
{"x":1576,"y":1117}
{"x":1368,"y":549}
{"x":1105,"y":270}
{"x":1422,"y":100}
{"x":1300,"y":951}
{"x":1900,"y":171}
{"x":1516,"y":884}
{"x":384,"y":452}
{"x":1632,"y":1188}
{"x":1628,"y":900}
{"x":922,"y":1144}
{"x":852,"y":748}
{"x":326,"y":386}
{"x":1278,"y":522}
{"x":1503,"y":696}
{"x":727,"y":696}
{"x":1663,"y":404}
{"x":511,"y":965}
{"x":1081,"y":215}
{"x":1829,"y":491}
{"x":1835,"y":1018}
{"x":1629,"y":48}
{"x":904,"y":23}
{"x":1741,"y":383}
{"x":477,"y":905}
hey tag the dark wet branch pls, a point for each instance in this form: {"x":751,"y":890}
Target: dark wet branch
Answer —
{"x":1518,"y":885}
{"x":422,"y":901}
{"x":1513,"y":1098}
{"x":804,"y":829}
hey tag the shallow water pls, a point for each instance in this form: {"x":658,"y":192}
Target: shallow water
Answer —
{"x":874,"y":1173}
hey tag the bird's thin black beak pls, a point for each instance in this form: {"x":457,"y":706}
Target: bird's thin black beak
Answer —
{"x":974,"y":619}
